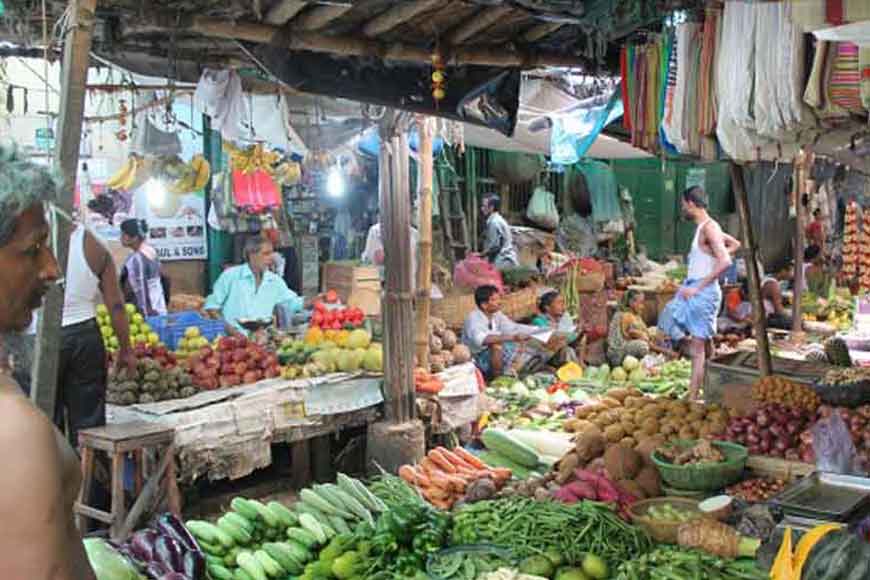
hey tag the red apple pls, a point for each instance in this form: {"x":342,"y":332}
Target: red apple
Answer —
{"x":240,"y":368}
{"x":273,"y":372}
{"x":228,"y":369}
{"x":227,"y":343}
{"x":213,"y":362}
{"x":242,"y":342}
{"x":249,"y":377}
{"x":239,"y":355}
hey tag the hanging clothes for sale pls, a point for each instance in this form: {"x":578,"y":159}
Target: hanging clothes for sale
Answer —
{"x":219,"y":95}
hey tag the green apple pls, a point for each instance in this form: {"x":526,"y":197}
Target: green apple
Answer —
{"x":113,"y":343}
{"x":153,"y":339}
{"x":130,"y":309}
{"x":106,"y":331}
{"x":138,"y":318}
{"x":102,"y":311}
{"x":192,"y":332}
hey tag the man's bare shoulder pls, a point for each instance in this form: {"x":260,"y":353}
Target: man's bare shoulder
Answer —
{"x":24,"y":430}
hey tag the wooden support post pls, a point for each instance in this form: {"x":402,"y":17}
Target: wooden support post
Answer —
{"x":799,"y":242}
{"x":74,"y":76}
{"x":300,"y":462}
{"x":397,"y":302}
{"x":426,"y":130}
{"x":759,"y":318}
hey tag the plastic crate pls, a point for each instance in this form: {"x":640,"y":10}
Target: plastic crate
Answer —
{"x":171,"y":327}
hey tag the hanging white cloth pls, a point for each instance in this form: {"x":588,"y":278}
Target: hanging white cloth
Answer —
{"x":219,"y":95}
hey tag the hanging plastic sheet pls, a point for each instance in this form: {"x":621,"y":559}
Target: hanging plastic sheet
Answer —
{"x":571,"y":137}
{"x":219,"y":95}
{"x":601,"y":183}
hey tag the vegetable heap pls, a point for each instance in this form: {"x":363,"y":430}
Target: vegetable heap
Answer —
{"x":165,"y":548}
{"x":466,"y":563}
{"x":527,"y":527}
{"x":776,"y":389}
{"x":672,"y":563}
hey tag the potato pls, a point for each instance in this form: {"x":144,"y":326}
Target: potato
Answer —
{"x":628,"y":442}
{"x":688,"y":432}
{"x":628,"y":426}
{"x":601,"y":422}
{"x":618,"y":394}
{"x":668,"y":429}
{"x":586,"y":410}
{"x":589,"y":445}
{"x":614,"y":433}
{"x":610,"y":403}
{"x":634,"y":402}
{"x":650,"y":426}
{"x":694,"y":416}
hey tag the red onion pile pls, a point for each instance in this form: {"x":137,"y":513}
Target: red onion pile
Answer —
{"x":770,"y":430}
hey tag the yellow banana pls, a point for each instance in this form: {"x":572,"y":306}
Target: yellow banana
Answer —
{"x":121,"y":175}
{"x":203,"y":173}
{"x":130,"y":179}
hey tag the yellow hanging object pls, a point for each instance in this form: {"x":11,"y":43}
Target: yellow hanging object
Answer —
{"x":807,"y":543}
{"x":570,"y":372}
{"x":783,"y":568}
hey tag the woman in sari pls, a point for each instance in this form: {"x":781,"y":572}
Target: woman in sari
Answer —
{"x":628,"y":334}
{"x":140,"y":275}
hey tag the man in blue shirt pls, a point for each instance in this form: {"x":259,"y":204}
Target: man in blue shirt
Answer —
{"x":251,"y":291}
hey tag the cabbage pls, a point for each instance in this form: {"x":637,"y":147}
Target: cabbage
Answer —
{"x":107,"y":563}
{"x":520,"y":389}
{"x":630,"y":363}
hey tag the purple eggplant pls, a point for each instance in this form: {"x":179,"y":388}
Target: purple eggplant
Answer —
{"x":175,"y":576}
{"x":156,"y":570}
{"x":194,"y":565}
{"x":171,"y":526}
{"x":169,"y":553}
{"x":142,"y":544}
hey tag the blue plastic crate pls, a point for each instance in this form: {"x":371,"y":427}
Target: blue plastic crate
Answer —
{"x":171,"y":328}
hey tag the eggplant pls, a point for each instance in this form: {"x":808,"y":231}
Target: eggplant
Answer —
{"x":156,"y":570}
{"x":171,"y":526}
{"x":194,"y":565}
{"x":142,"y":544}
{"x":169,"y":553}
{"x":175,"y":576}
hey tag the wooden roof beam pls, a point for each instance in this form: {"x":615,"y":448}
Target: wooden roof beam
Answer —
{"x":401,"y":12}
{"x":318,"y":17}
{"x":482,"y":20}
{"x":539,"y":31}
{"x":500,"y":56}
{"x":284,"y":11}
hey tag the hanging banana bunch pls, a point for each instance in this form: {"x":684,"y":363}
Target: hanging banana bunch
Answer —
{"x":254,"y":158}
{"x":125,"y":177}
{"x":195,"y":176}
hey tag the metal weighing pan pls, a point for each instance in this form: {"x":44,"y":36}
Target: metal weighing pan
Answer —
{"x":825,"y":496}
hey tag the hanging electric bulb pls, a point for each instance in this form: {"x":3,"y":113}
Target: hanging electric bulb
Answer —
{"x":335,"y":181}
{"x":155,"y":191}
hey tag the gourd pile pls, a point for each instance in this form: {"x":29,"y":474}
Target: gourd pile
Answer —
{"x":444,"y":347}
{"x":150,"y":383}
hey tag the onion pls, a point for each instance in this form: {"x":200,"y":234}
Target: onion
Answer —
{"x":777,"y":430}
{"x":792,"y":428}
{"x":753,"y":439}
{"x":754,"y":450}
{"x":752,"y":429}
{"x":781,"y":444}
{"x":762,"y":419}
{"x":737,"y":428}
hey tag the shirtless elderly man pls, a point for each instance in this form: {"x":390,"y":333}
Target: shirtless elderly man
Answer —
{"x":40,"y":478}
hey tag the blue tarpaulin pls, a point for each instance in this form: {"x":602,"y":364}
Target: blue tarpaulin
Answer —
{"x":370,"y":142}
{"x":572,"y":136}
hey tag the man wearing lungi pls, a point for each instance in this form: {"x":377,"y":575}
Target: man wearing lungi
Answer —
{"x":691,"y":315}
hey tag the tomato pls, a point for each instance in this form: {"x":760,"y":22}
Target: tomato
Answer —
{"x":331,"y":297}
{"x":319,"y":306}
{"x":317,"y":319}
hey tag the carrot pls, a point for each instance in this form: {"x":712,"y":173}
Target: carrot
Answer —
{"x":430,"y":466}
{"x":409,"y":474}
{"x":470,"y":458}
{"x":459,"y":484}
{"x":440,"y":481}
{"x":434,"y":493}
{"x":502,"y":474}
{"x":442,"y":504}
{"x":454,"y":458}
{"x":432,"y":387}
{"x":438,"y":458}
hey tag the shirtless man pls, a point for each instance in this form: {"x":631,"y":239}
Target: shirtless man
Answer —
{"x":691,"y":315}
{"x":40,"y":478}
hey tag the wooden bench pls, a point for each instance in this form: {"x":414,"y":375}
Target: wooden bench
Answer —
{"x":117,"y":442}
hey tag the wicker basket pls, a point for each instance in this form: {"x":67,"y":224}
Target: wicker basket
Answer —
{"x":704,"y":476}
{"x":590,"y":281}
{"x":844,"y":395}
{"x":453,"y":309}
{"x":520,"y":304}
{"x":664,"y":531}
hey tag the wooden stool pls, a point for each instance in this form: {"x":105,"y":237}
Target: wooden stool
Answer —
{"x":117,"y":441}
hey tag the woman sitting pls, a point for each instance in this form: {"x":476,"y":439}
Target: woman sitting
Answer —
{"x":554,"y":316}
{"x":628,"y":334}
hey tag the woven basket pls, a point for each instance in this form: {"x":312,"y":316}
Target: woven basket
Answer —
{"x":520,"y":304}
{"x":590,"y":281}
{"x":704,"y":476}
{"x":844,"y":395}
{"x":664,"y":531}
{"x":453,"y":309}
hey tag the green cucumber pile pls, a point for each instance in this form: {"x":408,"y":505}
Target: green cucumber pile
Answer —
{"x":256,"y":541}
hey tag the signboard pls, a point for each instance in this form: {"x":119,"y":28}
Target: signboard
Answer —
{"x":696,"y":176}
{"x":45,"y":138}
{"x":176,"y":222}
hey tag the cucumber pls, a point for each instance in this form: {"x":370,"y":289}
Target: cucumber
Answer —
{"x":239,"y":534}
{"x":367,"y":498}
{"x":303,"y":507}
{"x":324,"y":503}
{"x":272,"y":568}
{"x":284,"y":515}
{"x":267,"y":516}
{"x":210,"y":533}
{"x":242,"y":575}
{"x":213,"y":549}
{"x":515,"y":450}
{"x":339,"y":525}
{"x":251,"y":565}
{"x":217,"y":572}
{"x":216,"y":560}
{"x":305,"y":538}
{"x":296,"y":551}
{"x":350,"y":503}
{"x":240,"y":521}
{"x":249,"y":512}
{"x":284,"y":556}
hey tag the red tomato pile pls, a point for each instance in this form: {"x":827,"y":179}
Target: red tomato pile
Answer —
{"x":337,"y":318}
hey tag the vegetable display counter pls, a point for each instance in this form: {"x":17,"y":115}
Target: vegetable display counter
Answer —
{"x":228,"y":433}
{"x":742,"y":368}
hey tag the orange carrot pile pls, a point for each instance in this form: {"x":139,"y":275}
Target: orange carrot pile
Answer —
{"x":427,"y":383}
{"x":443,"y":476}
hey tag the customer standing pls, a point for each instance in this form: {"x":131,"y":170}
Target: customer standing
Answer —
{"x":140,"y":275}
{"x":498,"y":246}
{"x":91,"y":278}
{"x":691,"y":315}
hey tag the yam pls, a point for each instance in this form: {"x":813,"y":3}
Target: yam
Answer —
{"x":589,"y":445}
{"x":621,"y":462}
{"x":614,"y":433}
{"x":647,"y":446}
{"x":649,"y":481}
{"x":566,"y":467}
{"x":628,"y":442}
{"x":632,"y":488}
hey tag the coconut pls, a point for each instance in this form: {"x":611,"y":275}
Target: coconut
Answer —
{"x":461,"y":354}
{"x":435,"y":344}
{"x":631,"y":487}
{"x":622,"y":462}
{"x":650,"y":481}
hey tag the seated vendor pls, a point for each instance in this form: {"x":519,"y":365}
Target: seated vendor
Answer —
{"x":815,"y":277}
{"x":498,"y":344}
{"x":251,"y":291}
{"x":737,"y":310}
{"x":553,"y":315}
{"x":628,"y":334}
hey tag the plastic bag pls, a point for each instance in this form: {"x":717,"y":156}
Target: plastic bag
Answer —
{"x":832,"y":443}
{"x":474,"y":271}
{"x":542,"y":209}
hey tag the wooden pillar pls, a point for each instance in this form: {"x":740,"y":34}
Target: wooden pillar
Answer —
{"x":759,"y":317}
{"x":426,"y":130}
{"x":800,"y":167}
{"x":397,"y":303}
{"x":74,"y":73}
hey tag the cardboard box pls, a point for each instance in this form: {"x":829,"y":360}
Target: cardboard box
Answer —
{"x":357,"y":286}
